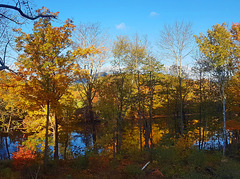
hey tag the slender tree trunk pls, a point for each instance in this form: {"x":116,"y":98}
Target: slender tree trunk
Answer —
{"x":56,"y":157}
{"x":9,"y":123}
{"x":90,"y":105}
{"x":224,"y":121}
{"x":176,"y":117}
{"x":120,"y":118}
{"x":181,"y":104}
{"x":90,"y":111}
{"x":94,"y":136}
{"x":200,"y":111}
{"x":139,"y":111}
{"x":118,"y":134}
{"x":151,"y":117}
{"x":114,"y":146}
{"x":46,"y":136}
{"x":204,"y":122}
{"x":65,"y":148}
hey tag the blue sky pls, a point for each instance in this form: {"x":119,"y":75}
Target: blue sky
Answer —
{"x":146,"y":16}
{"x":127,"y":17}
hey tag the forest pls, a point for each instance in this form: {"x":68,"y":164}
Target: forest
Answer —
{"x":64,"y":114}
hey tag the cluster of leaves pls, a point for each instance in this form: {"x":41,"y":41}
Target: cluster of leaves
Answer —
{"x":24,"y":157}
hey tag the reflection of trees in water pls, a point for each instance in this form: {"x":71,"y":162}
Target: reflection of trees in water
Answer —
{"x":76,"y":139}
{"x":8,"y":144}
{"x":87,"y":140}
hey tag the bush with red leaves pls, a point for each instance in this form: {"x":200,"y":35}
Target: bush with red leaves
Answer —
{"x":23,"y":157}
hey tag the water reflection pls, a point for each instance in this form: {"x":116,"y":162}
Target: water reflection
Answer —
{"x":76,"y":141}
{"x":80,"y":142}
{"x":75,"y":145}
{"x":8,"y":145}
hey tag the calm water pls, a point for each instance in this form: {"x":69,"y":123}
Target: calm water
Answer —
{"x":75,"y":142}
{"x":76,"y":145}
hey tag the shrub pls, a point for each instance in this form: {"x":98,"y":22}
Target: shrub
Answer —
{"x":133,"y":171}
{"x":98,"y":163}
{"x":81,"y":162}
{"x":197,"y":158}
{"x":228,"y":169}
{"x":24,"y":157}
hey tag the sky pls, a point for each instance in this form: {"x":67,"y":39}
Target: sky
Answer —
{"x":145,"y":17}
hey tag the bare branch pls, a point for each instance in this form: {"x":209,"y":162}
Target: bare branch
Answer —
{"x":10,"y":19}
{"x":25,"y":15}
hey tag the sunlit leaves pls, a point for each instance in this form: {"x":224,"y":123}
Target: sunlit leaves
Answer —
{"x":217,"y":46}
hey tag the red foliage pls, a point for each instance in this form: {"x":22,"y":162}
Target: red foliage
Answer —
{"x":157,"y":173}
{"x":23,"y":157}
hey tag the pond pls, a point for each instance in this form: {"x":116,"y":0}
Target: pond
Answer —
{"x":77,"y":140}
{"x":74,"y":144}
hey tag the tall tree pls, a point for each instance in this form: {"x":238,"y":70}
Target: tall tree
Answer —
{"x":151,"y":67}
{"x":137,"y":54}
{"x":91,"y":38}
{"x":176,"y":43}
{"x":219,"y":48}
{"x":120,"y":52}
{"x":45,"y":65}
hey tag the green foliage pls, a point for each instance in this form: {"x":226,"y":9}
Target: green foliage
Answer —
{"x":194,"y":163}
{"x":228,"y":169}
{"x":133,"y":171}
{"x":5,"y":169}
{"x":81,"y":162}
{"x":219,"y":48}
{"x":167,"y":156}
{"x":197,"y":158}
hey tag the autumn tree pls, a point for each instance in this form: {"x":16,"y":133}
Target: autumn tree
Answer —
{"x":176,"y":41}
{"x":17,"y":12}
{"x":123,"y":88}
{"x":11,"y":103}
{"x":91,"y":39}
{"x":45,"y":67}
{"x":151,"y":67}
{"x":219,"y":49}
{"x":138,"y":54}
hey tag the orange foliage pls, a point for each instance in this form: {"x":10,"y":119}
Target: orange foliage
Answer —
{"x":23,"y":157}
{"x":157,"y":173}
{"x":236,"y":31}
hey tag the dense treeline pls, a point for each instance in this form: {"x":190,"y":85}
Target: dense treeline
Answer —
{"x":139,"y":109}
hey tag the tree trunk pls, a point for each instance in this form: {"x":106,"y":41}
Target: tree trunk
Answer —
{"x":90,"y":112}
{"x":139,"y":111}
{"x":9,"y":123}
{"x":120,"y":119}
{"x":200,"y":111}
{"x":114,"y":146}
{"x":224,"y":121}
{"x":46,"y":136}
{"x":94,"y":136}
{"x":65,"y":148}
{"x":56,"y":138}
{"x":151,"y":117}
{"x":181,"y":104}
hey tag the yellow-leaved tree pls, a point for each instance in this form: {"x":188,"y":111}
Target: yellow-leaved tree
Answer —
{"x":45,"y":67}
